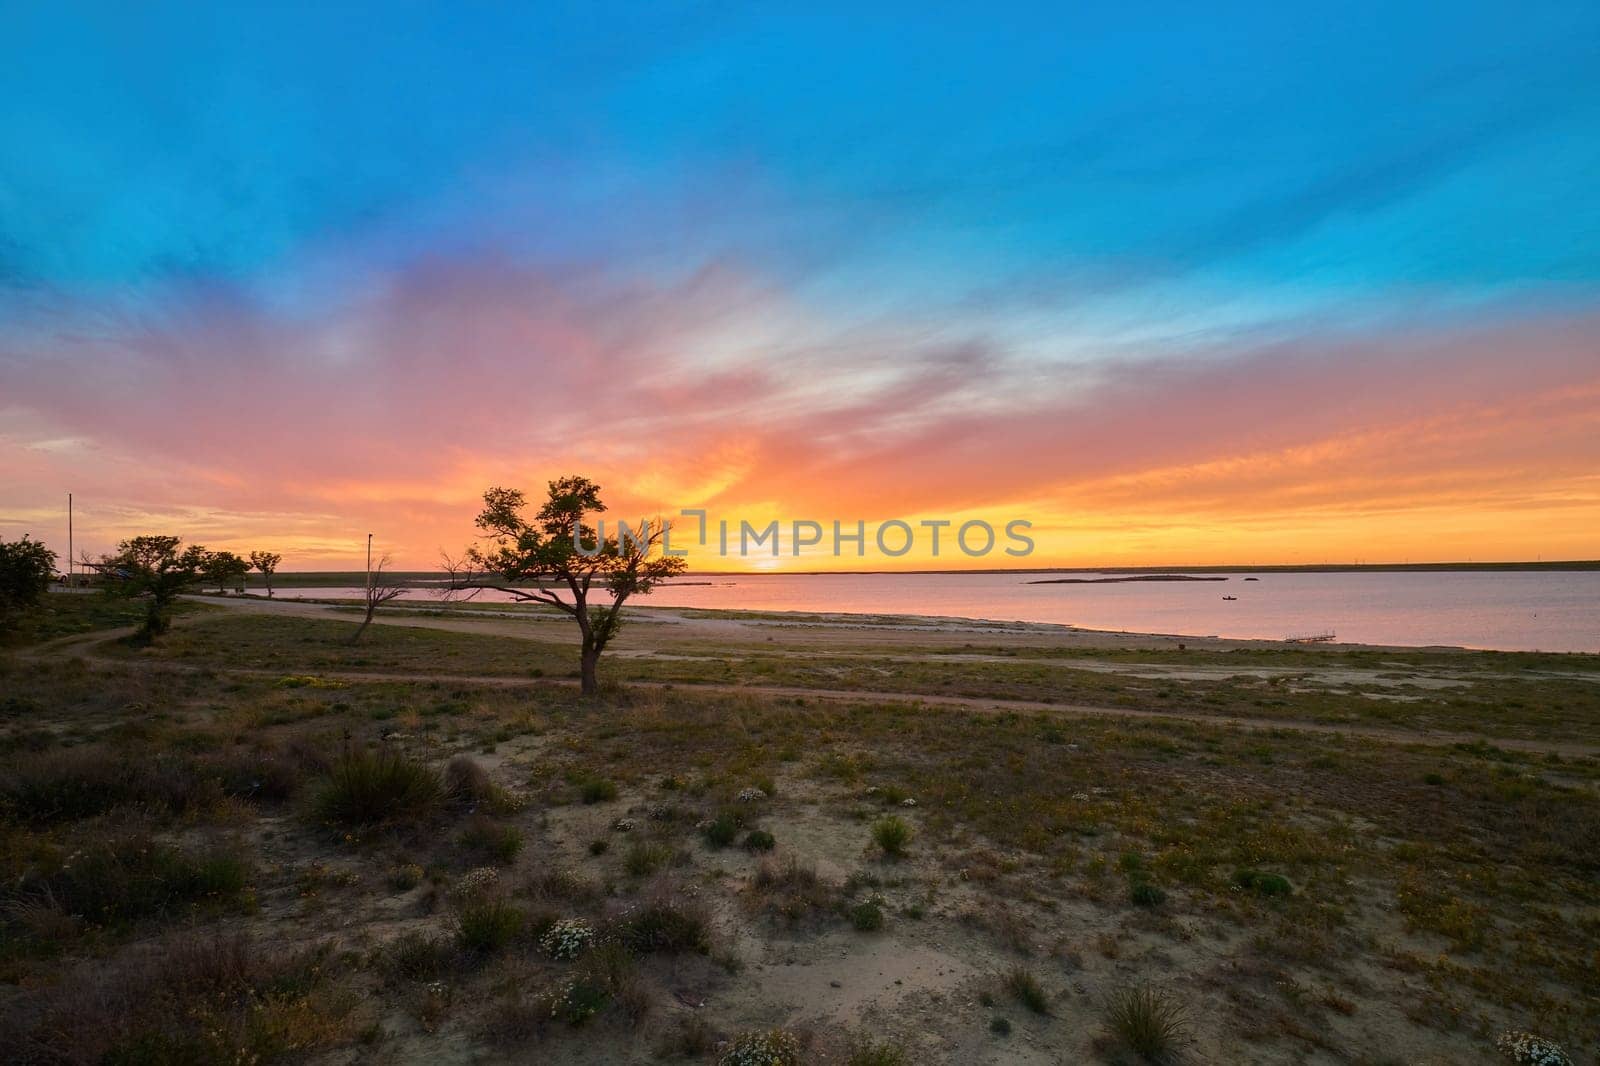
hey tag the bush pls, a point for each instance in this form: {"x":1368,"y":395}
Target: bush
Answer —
{"x":667,"y":927}
{"x":597,"y":790}
{"x":644,"y":859}
{"x":692,"y":1038}
{"x":867,"y":917}
{"x":26,"y":570}
{"x":568,"y":938}
{"x":891,"y":834}
{"x":767,"y":1047}
{"x":1151,"y":1023}
{"x":487,"y":923}
{"x":722,"y":829}
{"x":496,"y":842}
{"x":871,"y":1053}
{"x":1025,"y":988}
{"x":191,"y":999}
{"x":1000,"y":1026}
{"x":759,"y":840}
{"x":1526,"y":1049}
{"x":113,"y":882}
{"x":415,"y":957}
{"x":1263,"y":884}
{"x":378,"y":786}
{"x":578,"y":998}
{"x":1144,"y":894}
{"x":469,"y":782}
{"x":67,"y":785}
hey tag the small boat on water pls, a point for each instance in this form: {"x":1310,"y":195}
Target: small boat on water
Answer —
{"x":1230,"y":597}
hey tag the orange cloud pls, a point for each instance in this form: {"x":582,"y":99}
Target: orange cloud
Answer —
{"x":236,"y":427}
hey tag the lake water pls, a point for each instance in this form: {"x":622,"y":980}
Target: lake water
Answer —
{"x":1508,"y":611}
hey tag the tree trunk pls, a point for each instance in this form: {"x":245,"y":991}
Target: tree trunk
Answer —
{"x":590,"y":662}
{"x":365,"y":622}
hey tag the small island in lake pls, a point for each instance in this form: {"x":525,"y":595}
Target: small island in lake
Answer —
{"x":1113,"y":580}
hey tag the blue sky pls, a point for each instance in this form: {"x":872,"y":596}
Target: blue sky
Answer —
{"x":1446,"y":147}
{"x":835,"y":202}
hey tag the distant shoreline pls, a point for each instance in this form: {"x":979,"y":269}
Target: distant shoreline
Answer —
{"x":315,"y":578}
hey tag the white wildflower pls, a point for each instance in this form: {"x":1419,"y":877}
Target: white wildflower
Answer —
{"x":568,"y":938}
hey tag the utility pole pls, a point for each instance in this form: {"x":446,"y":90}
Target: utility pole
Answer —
{"x":369,"y":567}
{"x":69,"y":540}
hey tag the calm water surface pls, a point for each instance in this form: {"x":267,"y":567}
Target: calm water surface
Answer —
{"x":1512,"y":611}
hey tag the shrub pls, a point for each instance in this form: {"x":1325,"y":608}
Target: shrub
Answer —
{"x":111,"y":882}
{"x":192,"y":999}
{"x":568,"y":938}
{"x":1263,"y":884}
{"x":692,"y":1038}
{"x":667,"y":927}
{"x":597,"y":790}
{"x":1151,"y":1023}
{"x":867,"y":917}
{"x":26,"y":569}
{"x":378,"y":786}
{"x":792,"y":888}
{"x":67,"y":785}
{"x":1526,"y":1049}
{"x":759,"y":840}
{"x":644,"y":859}
{"x":871,"y":1053}
{"x":767,"y":1047}
{"x":578,"y":998}
{"x":1025,"y":988}
{"x":610,"y":967}
{"x":488,"y":923}
{"x":405,"y":876}
{"x":415,"y":956}
{"x":599,"y":847}
{"x":258,"y":776}
{"x":496,"y":842}
{"x":891,"y":834}
{"x":722,"y":829}
{"x":1144,"y":894}
{"x":1000,"y":1026}
{"x":466,"y":780}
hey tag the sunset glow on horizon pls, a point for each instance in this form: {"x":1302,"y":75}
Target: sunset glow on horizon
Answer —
{"x":1234,"y":291}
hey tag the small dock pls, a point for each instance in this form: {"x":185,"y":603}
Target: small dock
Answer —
{"x":1311,"y":638}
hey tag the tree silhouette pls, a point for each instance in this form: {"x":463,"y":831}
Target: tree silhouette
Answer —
{"x":379,"y":591}
{"x":153,"y":567}
{"x":26,"y":569}
{"x":219,"y":568}
{"x":558,"y":560}
{"x":267,"y":563}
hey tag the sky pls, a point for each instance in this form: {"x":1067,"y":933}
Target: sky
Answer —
{"x":1174,"y":284}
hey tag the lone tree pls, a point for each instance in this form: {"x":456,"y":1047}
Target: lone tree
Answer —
{"x":267,"y":563}
{"x":379,"y":591}
{"x":539,"y":560}
{"x":153,"y":567}
{"x":219,"y":568}
{"x":26,"y":568}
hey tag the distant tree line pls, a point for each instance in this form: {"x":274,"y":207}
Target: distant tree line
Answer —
{"x":155,"y":568}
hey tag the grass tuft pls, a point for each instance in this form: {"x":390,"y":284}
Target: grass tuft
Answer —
{"x":377,"y":786}
{"x":1026,"y":989}
{"x":1149,"y":1022}
{"x":892,"y":835}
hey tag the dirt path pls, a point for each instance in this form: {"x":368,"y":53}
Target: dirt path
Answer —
{"x":84,"y":644}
